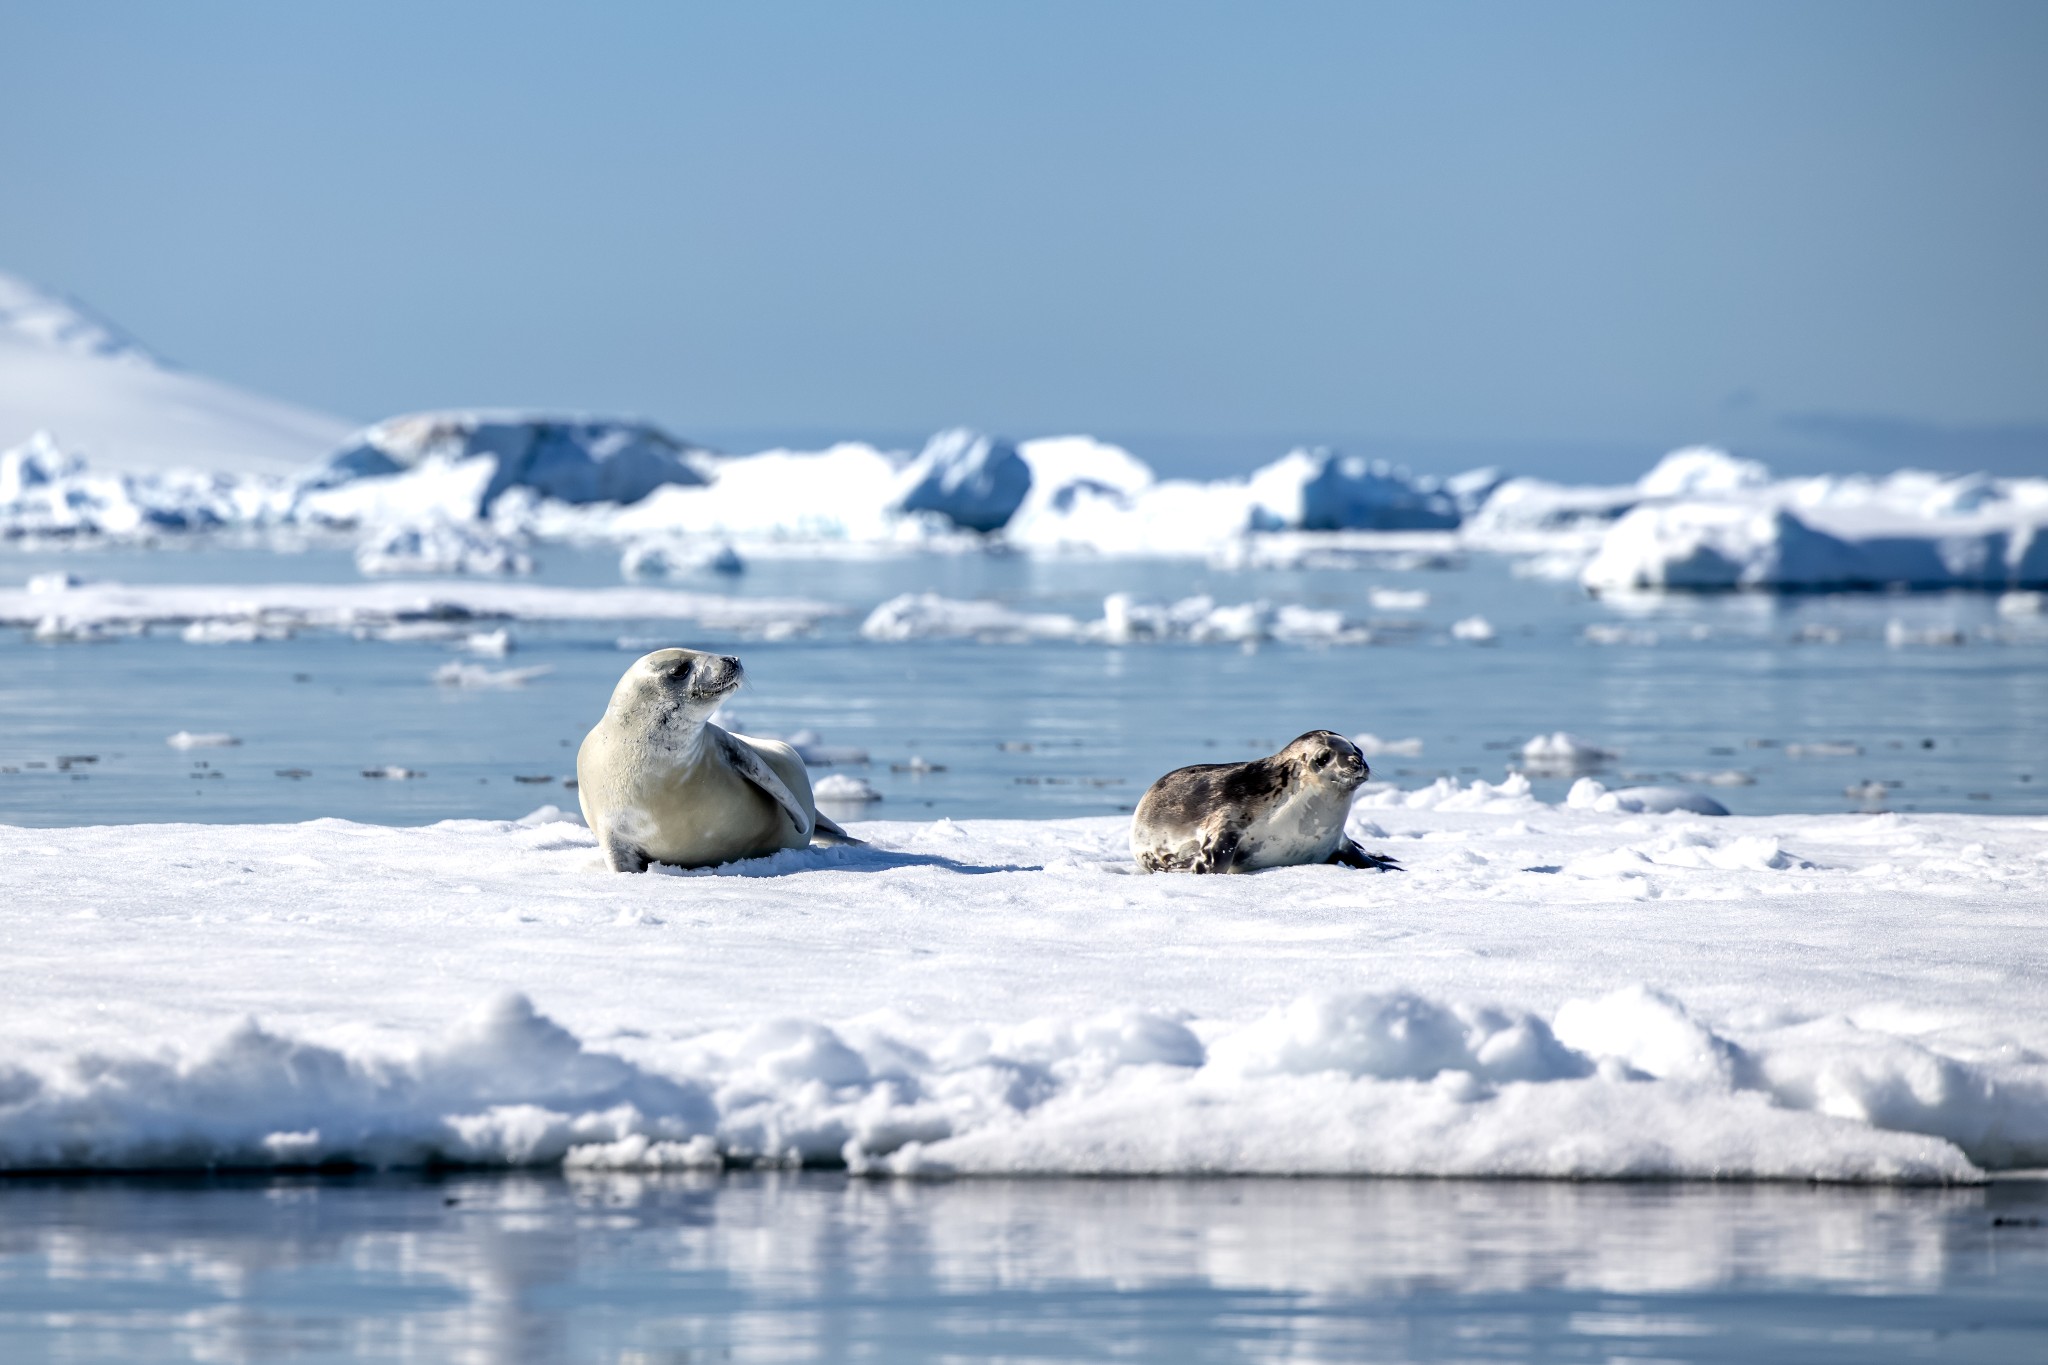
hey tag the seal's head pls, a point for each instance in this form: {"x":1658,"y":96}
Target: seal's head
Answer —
{"x":677,"y":684}
{"x":1328,"y":759}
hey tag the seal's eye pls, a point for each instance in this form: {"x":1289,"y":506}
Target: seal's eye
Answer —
{"x":1320,"y":761}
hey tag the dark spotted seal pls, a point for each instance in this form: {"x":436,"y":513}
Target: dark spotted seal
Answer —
{"x":1270,"y":812}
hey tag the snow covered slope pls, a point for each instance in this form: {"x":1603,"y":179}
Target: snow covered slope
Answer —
{"x":65,"y":371}
{"x":1547,"y":991}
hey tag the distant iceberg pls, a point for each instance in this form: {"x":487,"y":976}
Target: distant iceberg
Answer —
{"x":470,"y":492}
{"x":573,"y":459}
{"x":976,"y":482}
{"x":1707,"y":522}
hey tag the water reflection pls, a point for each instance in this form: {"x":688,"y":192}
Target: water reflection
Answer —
{"x":804,"y":1266}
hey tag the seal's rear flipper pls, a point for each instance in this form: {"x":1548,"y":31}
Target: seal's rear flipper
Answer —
{"x":826,"y":831}
{"x":1349,"y":854}
{"x":624,"y":857}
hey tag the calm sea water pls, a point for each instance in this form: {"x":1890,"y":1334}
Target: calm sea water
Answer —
{"x":806,"y":1266}
{"x":1781,"y":704}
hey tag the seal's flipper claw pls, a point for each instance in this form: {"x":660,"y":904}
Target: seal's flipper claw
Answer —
{"x":1349,"y":854}
{"x":826,"y":831}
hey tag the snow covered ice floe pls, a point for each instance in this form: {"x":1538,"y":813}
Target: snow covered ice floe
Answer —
{"x":844,"y":789}
{"x":241,"y":612}
{"x":205,"y":739}
{"x":441,"y":547}
{"x":1548,"y":991}
{"x":1587,"y":794}
{"x":672,"y":557}
{"x":1563,"y":754}
{"x":455,"y":674}
{"x":1126,"y":619}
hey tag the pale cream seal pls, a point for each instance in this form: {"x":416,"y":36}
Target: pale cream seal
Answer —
{"x":659,"y":783}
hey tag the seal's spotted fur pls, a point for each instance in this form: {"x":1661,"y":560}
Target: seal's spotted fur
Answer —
{"x":1271,"y":812}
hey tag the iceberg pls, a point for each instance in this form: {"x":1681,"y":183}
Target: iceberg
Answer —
{"x":1702,"y":471}
{"x":48,"y":493}
{"x":571,"y":459}
{"x":1716,"y":546}
{"x":974,"y":481}
{"x":1321,"y":490}
{"x":1116,"y":507}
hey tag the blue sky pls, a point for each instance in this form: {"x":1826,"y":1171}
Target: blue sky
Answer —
{"x":1566,"y":236}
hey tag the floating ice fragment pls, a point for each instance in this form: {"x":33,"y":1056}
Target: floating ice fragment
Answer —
{"x":1724,"y":777}
{"x":1608,"y":633}
{"x":1562,"y":753}
{"x":1899,"y":635}
{"x":1372,"y":746}
{"x":204,"y":739}
{"x":476,"y":675}
{"x":1588,"y":794}
{"x":56,"y":581}
{"x":921,"y":616}
{"x":669,"y":557}
{"x":1398,"y":599}
{"x":245,"y":631}
{"x":441,"y":547}
{"x":65,"y":630}
{"x":1474,"y":630}
{"x":2016,"y":605}
{"x":844,"y":788}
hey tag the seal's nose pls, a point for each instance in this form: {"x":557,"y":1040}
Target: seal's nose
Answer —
{"x":730,"y":662}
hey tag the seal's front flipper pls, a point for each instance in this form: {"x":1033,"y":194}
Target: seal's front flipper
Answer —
{"x":826,"y":831}
{"x":1349,"y":854}
{"x":1218,"y":853}
{"x":755,"y":769}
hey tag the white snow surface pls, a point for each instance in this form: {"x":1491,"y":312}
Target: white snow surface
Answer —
{"x":251,"y":611}
{"x":1545,"y":991}
{"x":68,"y":372}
